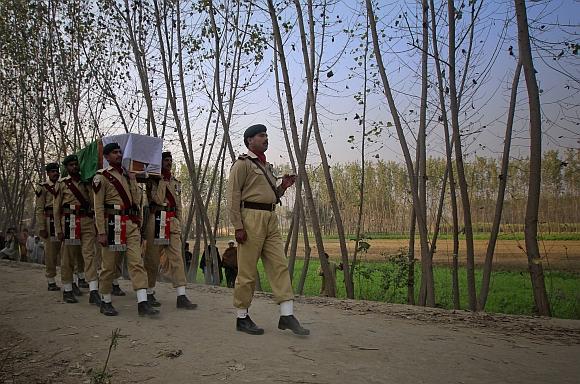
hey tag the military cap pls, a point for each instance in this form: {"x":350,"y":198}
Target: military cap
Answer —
{"x":165,"y":155}
{"x":69,"y":159}
{"x":253,"y":131}
{"x":110,"y":148}
{"x":52,"y":167}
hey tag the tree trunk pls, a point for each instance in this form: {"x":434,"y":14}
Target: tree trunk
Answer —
{"x":535,"y":177}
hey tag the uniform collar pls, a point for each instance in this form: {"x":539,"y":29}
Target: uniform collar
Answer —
{"x":261,"y":157}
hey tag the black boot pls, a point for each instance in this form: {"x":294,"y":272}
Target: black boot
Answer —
{"x":117,"y":291}
{"x":145,"y":309}
{"x":107,"y":309}
{"x":248,"y":326}
{"x":69,"y":297}
{"x":183,"y":302}
{"x":152,"y":300}
{"x":95,"y":298}
{"x":83,"y":283}
{"x":53,"y":287}
{"x":76,"y":290}
{"x":291,"y":323}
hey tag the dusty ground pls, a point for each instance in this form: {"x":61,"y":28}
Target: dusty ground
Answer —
{"x":43,"y":340}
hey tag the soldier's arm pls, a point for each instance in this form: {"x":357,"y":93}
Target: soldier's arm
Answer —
{"x":39,"y":208}
{"x":57,"y":208}
{"x":158,"y":191}
{"x":99,"y":203}
{"x":135,"y":191}
{"x":177,"y":197}
{"x":234,"y":192}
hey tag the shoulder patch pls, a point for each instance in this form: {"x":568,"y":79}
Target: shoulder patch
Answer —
{"x":96,"y":183}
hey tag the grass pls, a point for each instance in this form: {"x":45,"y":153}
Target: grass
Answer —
{"x":510,"y":291}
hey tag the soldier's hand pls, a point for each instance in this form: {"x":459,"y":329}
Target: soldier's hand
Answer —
{"x":43,"y":233}
{"x":288,"y":181}
{"x":241,"y":236}
{"x":103,"y":240}
{"x":60,"y":236}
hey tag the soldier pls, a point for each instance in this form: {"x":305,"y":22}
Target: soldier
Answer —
{"x":163,"y":233}
{"x":252,"y":199}
{"x":45,"y":194}
{"x":117,"y":220}
{"x":75,"y":226}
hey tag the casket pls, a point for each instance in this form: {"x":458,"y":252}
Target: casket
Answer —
{"x":141,"y":154}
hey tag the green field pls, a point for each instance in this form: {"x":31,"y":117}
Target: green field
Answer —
{"x":510,"y":291}
{"x":476,"y":236}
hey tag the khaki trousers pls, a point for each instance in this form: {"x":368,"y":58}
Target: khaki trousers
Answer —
{"x":110,"y":260}
{"x":263,"y":242}
{"x":80,"y":258}
{"x":172,"y":252}
{"x":51,"y":251}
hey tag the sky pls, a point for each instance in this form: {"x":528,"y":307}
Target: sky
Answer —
{"x":488,"y":82}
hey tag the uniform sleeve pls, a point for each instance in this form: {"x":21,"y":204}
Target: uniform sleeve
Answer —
{"x":99,"y":201}
{"x":57,"y":208}
{"x":135,"y":192}
{"x":39,"y":208}
{"x":158,"y":191}
{"x":177,"y":196}
{"x":234,"y":192}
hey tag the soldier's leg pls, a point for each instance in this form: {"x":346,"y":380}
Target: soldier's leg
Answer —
{"x":275,"y":263}
{"x":151,"y":256}
{"x":137,"y":271}
{"x":88,"y":251}
{"x":277,"y":272}
{"x":51,"y":251}
{"x":67,"y":264}
{"x":248,"y":254}
{"x":106,"y":276}
{"x":117,"y":291}
{"x":177,"y":271}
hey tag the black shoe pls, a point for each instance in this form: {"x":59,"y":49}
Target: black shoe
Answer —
{"x":248,"y":326}
{"x":69,"y":297}
{"x":53,"y":287}
{"x":117,"y":291}
{"x":183,"y":302}
{"x":83,"y":284}
{"x":152,"y":300}
{"x":290,"y":322}
{"x":76,"y":290}
{"x":107,"y":309}
{"x":145,"y":309}
{"x":95,"y":298}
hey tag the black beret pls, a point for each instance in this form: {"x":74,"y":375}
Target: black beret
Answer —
{"x":253,"y":131}
{"x":110,"y":148}
{"x":52,"y":167}
{"x":166,"y":154}
{"x":70,"y":158}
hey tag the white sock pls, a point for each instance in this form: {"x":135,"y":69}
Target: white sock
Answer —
{"x":93,"y":285}
{"x":115,"y":281}
{"x":141,"y":295}
{"x":181,"y":291}
{"x":242,"y":313}
{"x":150,"y":291}
{"x":287,"y":308}
{"x":67,"y":287}
{"x":51,"y":280}
{"x":106,"y":297}
{"x":75,"y":278}
{"x":82,"y":275}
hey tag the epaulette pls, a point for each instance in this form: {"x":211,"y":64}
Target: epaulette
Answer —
{"x":243,"y":156}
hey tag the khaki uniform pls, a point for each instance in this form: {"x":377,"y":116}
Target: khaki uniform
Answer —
{"x":157,"y":195}
{"x":45,"y":194}
{"x":78,"y":258}
{"x":247,"y":183}
{"x":106,"y":197}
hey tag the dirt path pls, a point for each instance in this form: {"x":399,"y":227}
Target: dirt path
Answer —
{"x":43,"y":340}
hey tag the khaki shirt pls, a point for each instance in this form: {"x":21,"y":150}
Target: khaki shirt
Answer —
{"x":157,"y":194}
{"x":248,"y":183}
{"x":44,"y":199}
{"x":66,"y":197}
{"x":106,"y":193}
